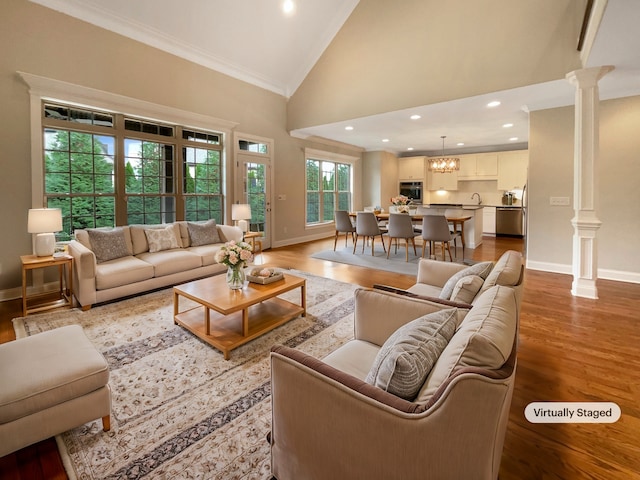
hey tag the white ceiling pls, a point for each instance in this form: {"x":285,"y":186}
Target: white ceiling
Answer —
{"x":255,"y":41}
{"x":252,"y":40}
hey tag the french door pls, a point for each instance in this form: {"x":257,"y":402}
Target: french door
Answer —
{"x":253,"y":159}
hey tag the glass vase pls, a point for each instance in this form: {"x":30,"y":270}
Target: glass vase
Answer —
{"x":235,"y":277}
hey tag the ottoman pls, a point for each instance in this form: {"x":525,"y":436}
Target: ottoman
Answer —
{"x":51,"y":382}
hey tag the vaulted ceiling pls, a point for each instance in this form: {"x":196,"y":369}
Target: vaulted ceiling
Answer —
{"x":258,"y":42}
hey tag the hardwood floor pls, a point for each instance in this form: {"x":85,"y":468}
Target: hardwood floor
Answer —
{"x":571,"y":349}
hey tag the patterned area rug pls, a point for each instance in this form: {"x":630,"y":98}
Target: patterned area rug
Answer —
{"x":179,"y":409}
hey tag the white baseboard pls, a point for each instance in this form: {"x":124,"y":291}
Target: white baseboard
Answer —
{"x":306,"y":238}
{"x":603,"y":273}
{"x":549,"y":267}
{"x":619,"y":275}
{"x":15,"y":293}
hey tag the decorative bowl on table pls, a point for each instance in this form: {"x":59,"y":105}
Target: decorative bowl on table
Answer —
{"x":264,"y":275}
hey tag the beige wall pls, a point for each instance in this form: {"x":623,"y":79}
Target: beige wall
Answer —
{"x":395,"y":55}
{"x":379,"y":179}
{"x":43,"y":42}
{"x":551,"y":174}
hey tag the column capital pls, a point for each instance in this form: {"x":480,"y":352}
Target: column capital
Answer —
{"x":588,"y":77}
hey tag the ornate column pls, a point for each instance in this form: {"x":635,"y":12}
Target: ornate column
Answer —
{"x":585,"y":182}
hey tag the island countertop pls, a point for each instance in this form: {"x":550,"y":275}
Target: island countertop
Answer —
{"x":453,"y":205}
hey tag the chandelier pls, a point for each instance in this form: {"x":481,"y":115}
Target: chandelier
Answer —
{"x":444,"y":164}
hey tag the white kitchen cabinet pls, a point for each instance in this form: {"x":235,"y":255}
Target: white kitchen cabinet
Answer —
{"x":489,"y":220}
{"x":467,"y":167}
{"x":442,"y":181}
{"x":487,"y":166}
{"x":481,"y":166}
{"x":411,"y":168}
{"x":512,"y":170}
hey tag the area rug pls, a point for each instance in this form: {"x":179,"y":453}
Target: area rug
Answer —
{"x":395,"y":263}
{"x":179,"y":409}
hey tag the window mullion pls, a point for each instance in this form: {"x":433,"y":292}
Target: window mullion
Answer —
{"x":121,"y":195}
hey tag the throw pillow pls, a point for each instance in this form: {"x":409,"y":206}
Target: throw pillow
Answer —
{"x":406,"y":358}
{"x":108,"y":244}
{"x":203,"y":233}
{"x":480,"y":269}
{"x":161,"y":239}
{"x":466,"y":289}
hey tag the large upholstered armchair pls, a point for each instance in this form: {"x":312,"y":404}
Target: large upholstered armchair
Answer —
{"x":328,"y":423}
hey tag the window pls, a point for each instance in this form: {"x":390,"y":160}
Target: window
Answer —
{"x":255,"y":147}
{"x":328,"y":189}
{"x":149,"y":182}
{"x":105,"y":169}
{"x":79,"y":177}
{"x":203,"y":183}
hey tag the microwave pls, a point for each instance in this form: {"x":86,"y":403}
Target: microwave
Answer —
{"x":413,"y":190}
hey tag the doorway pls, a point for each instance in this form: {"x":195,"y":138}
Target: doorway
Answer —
{"x":253,"y":182}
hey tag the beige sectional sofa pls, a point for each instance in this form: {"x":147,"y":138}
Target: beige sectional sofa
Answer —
{"x":114,"y":263}
{"x":381,"y":407}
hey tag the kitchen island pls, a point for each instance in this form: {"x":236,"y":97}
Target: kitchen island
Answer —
{"x":472,"y":227}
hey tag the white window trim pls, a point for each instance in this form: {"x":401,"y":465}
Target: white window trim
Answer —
{"x":333,"y":157}
{"x":43,"y":88}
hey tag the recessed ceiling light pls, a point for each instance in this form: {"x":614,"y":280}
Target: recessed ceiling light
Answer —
{"x":288,"y":7}
{"x":495,"y":103}
{"x":460,"y":144}
{"x":513,"y":139}
{"x":415,"y":117}
{"x":385,"y":140}
{"x":507,"y":125}
{"x":410,"y":148}
{"x":348,"y":127}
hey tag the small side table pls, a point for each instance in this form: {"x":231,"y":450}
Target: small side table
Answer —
{"x":254,"y":236}
{"x":31,"y":262}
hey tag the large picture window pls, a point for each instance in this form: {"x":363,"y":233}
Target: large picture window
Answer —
{"x":105,"y":169}
{"x":328,"y":189}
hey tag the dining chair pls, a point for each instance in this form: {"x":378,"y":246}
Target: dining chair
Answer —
{"x":401,"y":227}
{"x":435,"y":229}
{"x":422,"y":211}
{"x":367,"y":227}
{"x":343,"y":225}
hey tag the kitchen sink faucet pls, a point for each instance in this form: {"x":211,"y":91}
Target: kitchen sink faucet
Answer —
{"x":479,"y":199}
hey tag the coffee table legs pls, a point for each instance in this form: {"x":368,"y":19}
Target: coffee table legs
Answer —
{"x":227,"y":331}
{"x":245,"y":322}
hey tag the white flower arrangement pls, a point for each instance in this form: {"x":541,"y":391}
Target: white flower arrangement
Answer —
{"x":234,"y":254}
{"x":400,"y":200}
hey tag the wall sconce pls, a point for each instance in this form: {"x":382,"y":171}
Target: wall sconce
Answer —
{"x":44,"y":222}
{"x":240,"y":213}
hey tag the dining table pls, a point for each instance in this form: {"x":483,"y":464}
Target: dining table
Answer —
{"x":456,"y":222}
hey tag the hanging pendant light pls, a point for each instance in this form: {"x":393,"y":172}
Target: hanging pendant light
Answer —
{"x":444,"y":164}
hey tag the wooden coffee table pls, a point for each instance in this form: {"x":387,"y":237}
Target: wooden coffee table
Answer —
{"x":228,"y":318}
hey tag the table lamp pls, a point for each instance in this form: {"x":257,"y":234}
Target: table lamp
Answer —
{"x":241,"y":212}
{"x":44,"y":222}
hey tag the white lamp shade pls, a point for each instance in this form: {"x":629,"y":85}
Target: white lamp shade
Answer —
{"x":240,"y":211}
{"x":44,"y":220}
